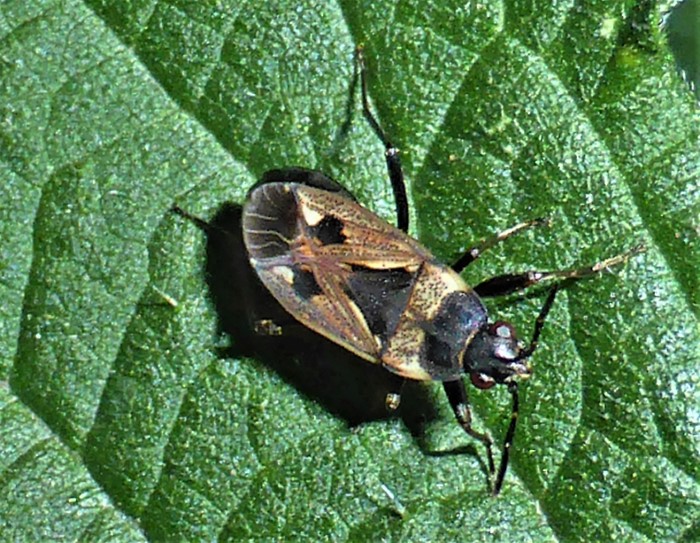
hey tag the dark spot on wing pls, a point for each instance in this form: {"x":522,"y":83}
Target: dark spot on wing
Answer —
{"x":305,"y":285}
{"x":329,"y":231}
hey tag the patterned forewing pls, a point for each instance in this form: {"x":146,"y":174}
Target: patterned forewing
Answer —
{"x":333,"y":265}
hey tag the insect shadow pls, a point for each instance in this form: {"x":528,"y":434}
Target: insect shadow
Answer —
{"x":344,"y":385}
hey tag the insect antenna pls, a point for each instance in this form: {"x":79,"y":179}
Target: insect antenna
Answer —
{"x":508,"y":442}
{"x":513,"y":389}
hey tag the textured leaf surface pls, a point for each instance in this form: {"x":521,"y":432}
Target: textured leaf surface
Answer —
{"x":120,"y":419}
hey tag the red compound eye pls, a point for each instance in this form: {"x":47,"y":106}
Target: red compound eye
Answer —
{"x":482,"y":381}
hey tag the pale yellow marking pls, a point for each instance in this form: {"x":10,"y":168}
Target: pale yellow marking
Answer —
{"x":392,"y":401}
{"x":402,"y":355}
{"x":285,"y":273}
{"x":349,"y":346}
{"x":432,"y":285}
{"x":453,"y":280}
{"x":311,"y":216}
{"x":359,"y":318}
{"x":248,"y":231}
{"x":410,"y":370}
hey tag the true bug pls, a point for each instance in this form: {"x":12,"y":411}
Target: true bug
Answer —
{"x":345,"y":273}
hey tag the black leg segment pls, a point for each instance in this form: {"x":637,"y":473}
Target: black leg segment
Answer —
{"x":512,"y":282}
{"x":539,"y":323}
{"x":477,"y":250}
{"x":457,"y":395}
{"x":508,"y":441}
{"x":393,"y":162}
{"x":393,"y":397}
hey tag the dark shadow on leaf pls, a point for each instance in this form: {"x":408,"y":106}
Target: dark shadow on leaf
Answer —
{"x":344,"y":129}
{"x":344,"y":384}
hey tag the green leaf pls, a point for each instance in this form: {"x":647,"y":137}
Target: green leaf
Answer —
{"x":121,"y":418}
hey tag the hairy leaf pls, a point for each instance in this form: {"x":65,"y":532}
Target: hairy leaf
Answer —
{"x":133,"y":405}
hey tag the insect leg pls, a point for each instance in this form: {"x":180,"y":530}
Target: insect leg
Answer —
{"x":508,"y":441}
{"x":511,"y":282}
{"x":513,"y":389}
{"x":393,"y":398}
{"x":477,"y":250}
{"x":539,"y":323}
{"x":457,"y":395}
{"x":200,"y":223}
{"x":391,"y":153}
{"x":277,"y":327}
{"x":267,"y":327}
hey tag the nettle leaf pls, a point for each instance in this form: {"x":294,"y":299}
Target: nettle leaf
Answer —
{"x":128,"y":414}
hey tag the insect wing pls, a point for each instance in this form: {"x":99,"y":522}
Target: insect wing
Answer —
{"x":332,"y":264}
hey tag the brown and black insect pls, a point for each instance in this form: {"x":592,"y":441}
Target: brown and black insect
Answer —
{"x":345,"y":273}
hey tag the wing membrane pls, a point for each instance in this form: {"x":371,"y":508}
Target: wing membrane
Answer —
{"x":335,"y":266}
